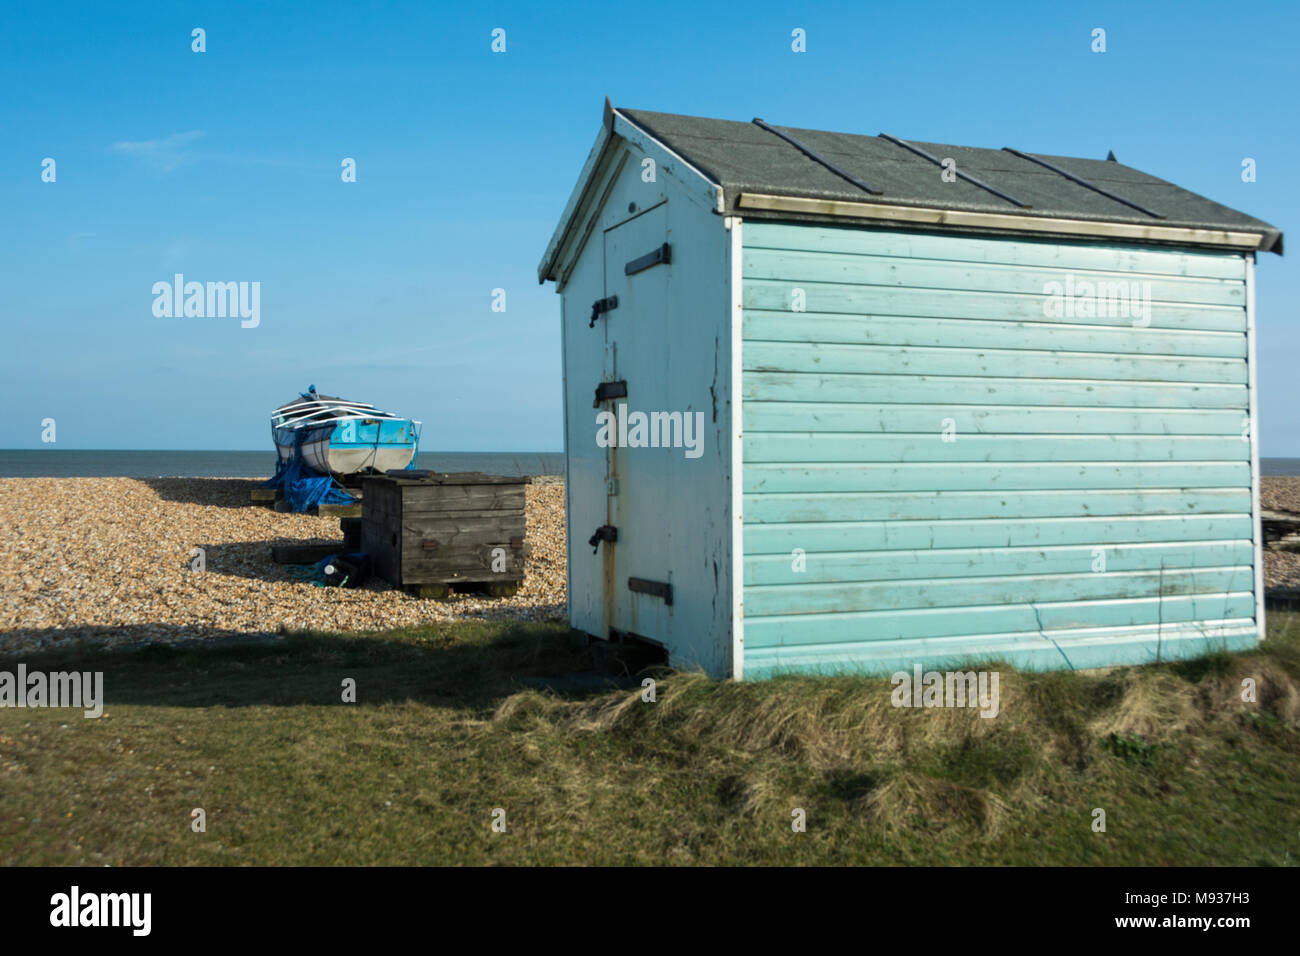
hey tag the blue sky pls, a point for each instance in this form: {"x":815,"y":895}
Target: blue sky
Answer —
{"x":225,"y":165}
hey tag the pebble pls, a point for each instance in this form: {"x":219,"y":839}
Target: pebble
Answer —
{"x":1281,"y":493}
{"x":107,"y":561}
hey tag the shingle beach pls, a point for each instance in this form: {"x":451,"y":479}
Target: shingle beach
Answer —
{"x":107,"y":560}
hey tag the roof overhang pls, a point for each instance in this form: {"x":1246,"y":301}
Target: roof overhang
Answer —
{"x":1009,"y":222}
{"x":586,"y":198}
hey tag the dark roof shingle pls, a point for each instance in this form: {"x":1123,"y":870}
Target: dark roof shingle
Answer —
{"x":745,"y":158}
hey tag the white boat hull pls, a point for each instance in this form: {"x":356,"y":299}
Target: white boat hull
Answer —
{"x":346,"y":461}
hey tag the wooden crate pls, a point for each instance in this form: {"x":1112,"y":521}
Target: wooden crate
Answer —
{"x":427,"y":534}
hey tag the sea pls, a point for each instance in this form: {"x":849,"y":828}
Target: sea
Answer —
{"x":68,"y":463}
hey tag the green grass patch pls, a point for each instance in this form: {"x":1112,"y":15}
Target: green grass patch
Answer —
{"x":454,"y":721}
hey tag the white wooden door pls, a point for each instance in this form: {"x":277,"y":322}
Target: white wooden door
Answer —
{"x":638,"y":479}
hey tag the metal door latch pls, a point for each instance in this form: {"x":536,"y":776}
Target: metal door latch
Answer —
{"x":600,"y":307}
{"x":605,"y":532}
{"x":608,"y":390}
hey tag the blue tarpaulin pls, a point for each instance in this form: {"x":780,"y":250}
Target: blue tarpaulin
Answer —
{"x":304,"y":487}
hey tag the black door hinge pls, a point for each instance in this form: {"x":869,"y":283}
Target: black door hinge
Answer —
{"x":660,"y":589}
{"x":610,"y":390}
{"x":664,"y":254}
{"x":600,"y":307}
{"x":605,"y":532}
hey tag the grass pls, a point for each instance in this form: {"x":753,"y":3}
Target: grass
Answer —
{"x":454,"y":721}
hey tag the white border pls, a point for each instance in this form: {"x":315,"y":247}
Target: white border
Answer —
{"x":568,"y":485}
{"x":1253,"y":412}
{"x":737,"y":318}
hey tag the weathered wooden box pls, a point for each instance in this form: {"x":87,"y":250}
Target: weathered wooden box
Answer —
{"x":428,"y":533}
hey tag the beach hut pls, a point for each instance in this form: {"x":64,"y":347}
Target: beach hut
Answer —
{"x":851,"y":403}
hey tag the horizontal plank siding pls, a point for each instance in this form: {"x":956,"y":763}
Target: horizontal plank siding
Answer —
{"x":837,"y":446}
{"x":991,"y":419}
{"x":813,"y":599}
{"x":965,"y":505}
{"x":942,"y":464}
{"x":981,"y":390}
{"x":901,"y":272}
{"x":881,"y":626}
{"x":1125,"y":261}
{"x":993,"y":363}
{"x":980,"y":475}
{"x":939,"y":565}
{"x":836,"y":536}
{"x":1075,"y":648}
{"x":762,"y":327}
{"x":842,"y":297}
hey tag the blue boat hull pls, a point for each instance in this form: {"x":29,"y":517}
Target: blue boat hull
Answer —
{"x":353,"y":446}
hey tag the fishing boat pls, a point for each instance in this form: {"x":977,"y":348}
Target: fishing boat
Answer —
{"x":336,"y":437}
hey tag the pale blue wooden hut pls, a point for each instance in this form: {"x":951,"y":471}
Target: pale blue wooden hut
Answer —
{"x":850,"y":403}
